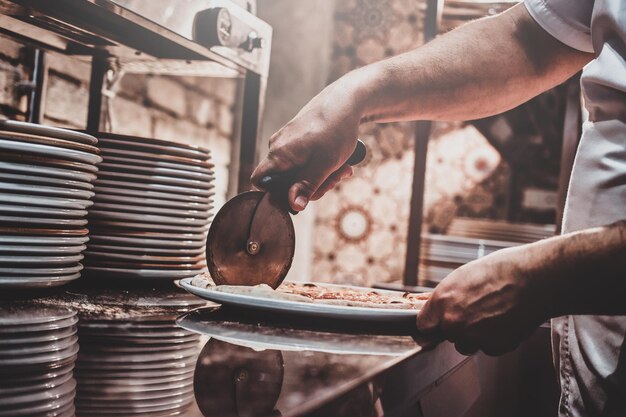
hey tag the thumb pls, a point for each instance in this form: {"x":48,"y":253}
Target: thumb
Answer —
{"x":428,"y":320}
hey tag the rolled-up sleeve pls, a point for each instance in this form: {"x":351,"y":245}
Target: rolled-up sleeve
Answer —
{"x":569,"y":21}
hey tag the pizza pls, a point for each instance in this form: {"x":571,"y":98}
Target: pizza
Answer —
{"x":322,"y":294}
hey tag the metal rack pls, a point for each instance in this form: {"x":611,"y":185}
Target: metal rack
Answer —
{"x":209,"y":38}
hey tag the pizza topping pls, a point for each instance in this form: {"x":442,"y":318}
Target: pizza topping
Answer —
{"x":314,"y":293}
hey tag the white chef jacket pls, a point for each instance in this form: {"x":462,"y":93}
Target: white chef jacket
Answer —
{"x":589,"y":351}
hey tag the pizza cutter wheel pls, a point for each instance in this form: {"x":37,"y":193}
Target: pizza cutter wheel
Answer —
{"x":251,"y":240}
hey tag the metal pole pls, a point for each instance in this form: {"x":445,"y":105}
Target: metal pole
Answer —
{"x":99,"y":67}
{"x":39,"y":85}
{"x":254,"y":93}
{"x":422,"y":135}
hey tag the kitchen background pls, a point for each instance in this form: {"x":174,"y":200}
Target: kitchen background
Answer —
{"x":503,"y":168}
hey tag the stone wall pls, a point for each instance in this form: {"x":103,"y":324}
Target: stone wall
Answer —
{"x":193,"y":110}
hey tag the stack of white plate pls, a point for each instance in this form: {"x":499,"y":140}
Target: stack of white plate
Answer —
{"x":442,"y":254}
{"x":46,"y":177}
{"x":38,"y":348}
{"x":152,"y":209}
{"x":139,"y":366}
{"x":500,"y":230}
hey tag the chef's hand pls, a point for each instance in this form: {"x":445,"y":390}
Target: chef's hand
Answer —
{"x":313,"y":147}
{"x":491,"y":304}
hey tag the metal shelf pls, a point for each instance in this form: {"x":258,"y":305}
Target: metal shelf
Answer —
{"x":105,"y":28}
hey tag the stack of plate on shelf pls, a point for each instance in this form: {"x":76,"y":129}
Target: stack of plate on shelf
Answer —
{"x":46,"y":177}
{"x":38,"y":347}
{"x":500,"y":230}
{"x":152,"y":209}
{"x":140,"y":365}
{"x":442,"y":254}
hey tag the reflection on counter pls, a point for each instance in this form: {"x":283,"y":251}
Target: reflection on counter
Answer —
{"x":157,"y":352}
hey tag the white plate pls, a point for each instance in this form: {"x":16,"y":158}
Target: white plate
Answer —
{"x":47,"y":171}
{"x":161,"y":164}
{"x":158,"y":171}
{"x":36,"y":282}
{"x":59,"y":182}
{"x":204,"y":191}
{"x":116,"y":256}
{"x":153,"y":194}
{"x":164,"y":148}
{"x":41,"y":211}
{"x":150,"y":202}
{"x":327,"y":311}
{"x":145,"y":273}
{"x":46,"y":190}
{"x":158,"y":251}
{"x":158,"y":179}
{"x":43,"y":240}
{"x":36,"y":148}
{"x":62,"y":270}
{"x":43,"y":130}
{"x":197,"y":214}
{"x":46,"y":260}
{"x":51,"y":250}
{"x":147,"y":218}
{"x":101,"y":223}
{"x":69,"y":203}
{"x":27,"y":221}
{"x":180,"y":160}
{"x":140,"y":242}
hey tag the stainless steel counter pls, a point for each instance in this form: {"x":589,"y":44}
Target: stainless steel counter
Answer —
{"x":163,"y":352}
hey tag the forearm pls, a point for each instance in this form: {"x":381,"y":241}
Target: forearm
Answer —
{"x":580,"y":273}
{"x":482,"y":68}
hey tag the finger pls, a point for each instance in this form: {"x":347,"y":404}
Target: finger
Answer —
{"x":331,"y":182}
{"x":309,"y":180}
{"x":272,"y":164}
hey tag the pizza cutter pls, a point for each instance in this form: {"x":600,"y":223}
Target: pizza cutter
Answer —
{"x":251,"y":240}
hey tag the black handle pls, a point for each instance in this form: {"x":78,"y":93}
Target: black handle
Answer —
{"x":280,"y":183}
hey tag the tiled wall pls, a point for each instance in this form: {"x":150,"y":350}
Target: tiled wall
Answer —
{"x":197,"y":111}
{"x":360,"y":228}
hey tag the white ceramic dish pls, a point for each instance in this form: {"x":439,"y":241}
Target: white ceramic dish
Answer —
{"x":151,"y":194}
{"x":196,"y":214}
{"x":68,"y":203}
{"x":155,"y":163}
{"x":43,"y":130}
{"x":41,"y":170}
{"x":148,"y":179}
{"x":158,"y":171}
{"x":147,"y":218}
{"x":35,"y":250}
{"x":132,"y":257}
{"x":36,"y":282}
{"x":145,"y":273}
{"x":150,"y":202}
{"x":327,"y":311}
{"x":147,"y":243}
{"x":28,"y":221}
{"x":142,"y":249}
{"x":63,"y":153}
{"x":143,"y":146}
{"x":43,"y":179}
{"x":43,"y":240}
{"x":205,"y":191}
{"x":100,"y":223}
{"x":41,"y":211}
{"x":45,"y":271}
{"x":46,"y":190}
{"x":45,"y":260}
